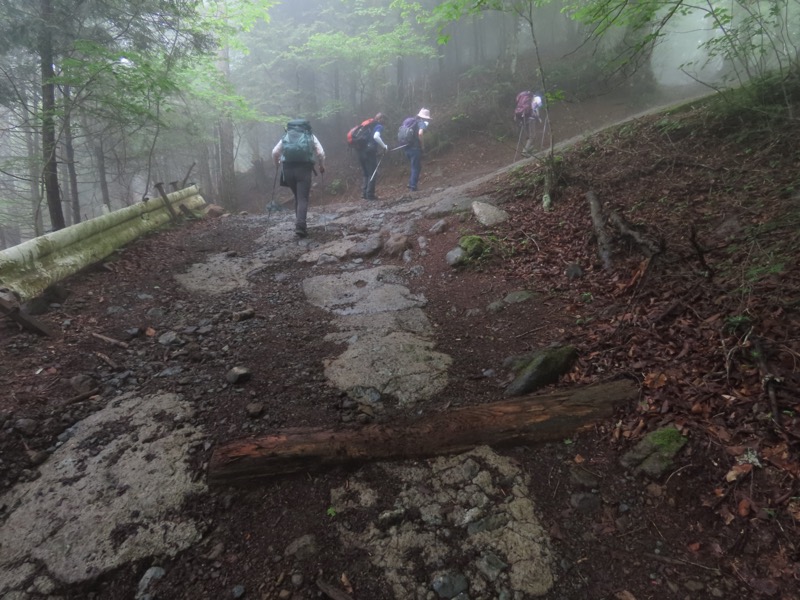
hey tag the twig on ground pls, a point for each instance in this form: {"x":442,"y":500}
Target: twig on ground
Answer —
{"x":109,"y":340}
{"x":332,"y":592}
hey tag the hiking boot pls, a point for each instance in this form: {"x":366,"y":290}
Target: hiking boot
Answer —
{"x":372,"y":198}
{"x":300,"y":231}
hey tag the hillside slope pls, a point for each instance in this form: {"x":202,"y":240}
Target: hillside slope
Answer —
{"x":707,"y":324}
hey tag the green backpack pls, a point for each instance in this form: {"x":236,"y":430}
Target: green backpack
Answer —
{"x":298,"y":142}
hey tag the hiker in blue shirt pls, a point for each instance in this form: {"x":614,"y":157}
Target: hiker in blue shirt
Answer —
{"x":414,"y":145}
{"x":368,"y":156}
{"x":295,"y":154}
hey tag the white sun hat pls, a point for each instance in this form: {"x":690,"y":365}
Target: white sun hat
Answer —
{"x":424,"y":113}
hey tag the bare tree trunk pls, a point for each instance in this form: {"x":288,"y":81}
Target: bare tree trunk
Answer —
{"x":206,"y":181}
{"x":100,"y":158}
{"x":34,"y":172}
{"x":227,"y":177}
{"x":49,"y":169}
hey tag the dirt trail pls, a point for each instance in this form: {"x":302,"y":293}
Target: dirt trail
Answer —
{"x":330,"y":334}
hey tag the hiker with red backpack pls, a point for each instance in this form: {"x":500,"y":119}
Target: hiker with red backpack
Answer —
{"x":410,"y":137}
{"x":367,"y":141}
{"x":295,"y":155}
{"x":526,"y":115}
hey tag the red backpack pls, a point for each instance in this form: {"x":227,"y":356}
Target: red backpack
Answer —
{"x":360,"y":135}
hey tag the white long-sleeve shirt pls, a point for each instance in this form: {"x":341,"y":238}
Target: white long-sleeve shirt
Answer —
{"x":319,"y":152}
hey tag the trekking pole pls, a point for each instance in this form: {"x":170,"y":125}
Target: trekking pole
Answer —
{"x":376,"y":169}
{"x":519,"y":140}
{"x":272,"y":202}
{"x":544,"y":128}
{"x":398,"y":148}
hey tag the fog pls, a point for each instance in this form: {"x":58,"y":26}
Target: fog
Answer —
{"x":207,"y":93}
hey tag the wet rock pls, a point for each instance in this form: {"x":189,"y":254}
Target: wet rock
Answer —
{"x":439,"y":227}
{"x":238,"y":375}
{"x":456,"y":257}
{"x":238,"y":592}
{"x":132,"y":333}
{"x":396,"y":244}
{"x":151,"y":575}
{"x":37,"y":457}
{"x":327,"y":259}
{"x":518,"y":296}
{"x":214,"y":210}
{"x":254,"y":410}
{"x":543,"y":369}
{"x":654,"y":454}
{"x":449,"y":585}
{"x":585,"y":503}
{"x":26,"y":426}
{"x":491,"y":565}
{"x":496,"y":307}
{"x":369,"y":247}
{"x":82,"y":383}
{"x":583,"y":478}
{"x":170,"y":338}
{"x":156,"y":313}
{"x":303,"y":547}
{"x":487,"y":214}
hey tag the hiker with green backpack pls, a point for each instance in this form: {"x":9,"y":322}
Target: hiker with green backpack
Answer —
{"x":295,"y":155}
{"x":409,"y":135}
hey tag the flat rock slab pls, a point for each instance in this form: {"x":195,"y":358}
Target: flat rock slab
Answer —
{"x":370,"y":291}
{"x":389,"y":341}
{"x":475,"y":505}
{"x":108,"y":496}
{"x":219,"y":274}
{"x":400,"y":364}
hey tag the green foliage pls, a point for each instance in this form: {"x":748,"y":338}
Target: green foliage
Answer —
{"x":473,"y":245}
{"x":756,"y":272}
{"x":336,"y":187}
{"x":667,"y":440}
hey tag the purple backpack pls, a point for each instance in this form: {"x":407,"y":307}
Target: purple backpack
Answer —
{"x":407,"y":131}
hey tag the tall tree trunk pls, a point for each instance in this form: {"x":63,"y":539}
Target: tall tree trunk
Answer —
{"x":34,"y":172}
{"x":204,"y":169}
{"x":49,"y":169}
{"x":69,"y":156}
{"x":227,"y":178}
{"x":100,"y":158}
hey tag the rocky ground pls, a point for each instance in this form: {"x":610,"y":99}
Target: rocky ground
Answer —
{"x":108,"y":430}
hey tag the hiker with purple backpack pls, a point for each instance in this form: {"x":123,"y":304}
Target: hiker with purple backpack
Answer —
{"x":410,"y":137}
{"x":526,"y":114}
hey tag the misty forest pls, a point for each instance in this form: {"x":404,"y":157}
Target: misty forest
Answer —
{"x":565,"y":367}
{"x":100,"y":100}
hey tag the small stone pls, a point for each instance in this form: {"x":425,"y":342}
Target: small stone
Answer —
{"x":254,"y":410}
{"x":694,"y":586}
{"x":655,"y":490}
{"x":574,"y":271}
{"x":26,"y":426}
{"x":585,"y":503}
{"x":238,"y":591}
{"x":238,"y":375}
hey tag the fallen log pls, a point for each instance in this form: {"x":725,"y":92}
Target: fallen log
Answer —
{"x":526,"y":420}
{"x":12,"y":310}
